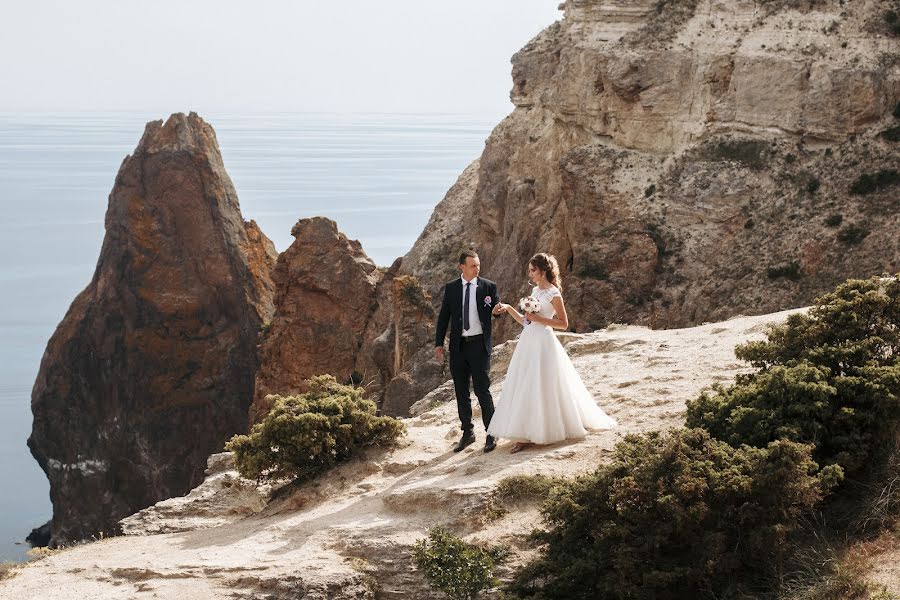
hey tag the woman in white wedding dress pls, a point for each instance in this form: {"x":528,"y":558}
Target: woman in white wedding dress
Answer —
{"x":543,"y":398}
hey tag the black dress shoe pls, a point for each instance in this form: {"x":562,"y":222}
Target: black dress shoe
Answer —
{"x":490,"y":443}
{"x":466,"y":440}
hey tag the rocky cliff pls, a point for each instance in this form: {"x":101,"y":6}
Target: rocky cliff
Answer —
{"x":686,"y":161}
{"x":326,"y":289}
{"x":337,"y":313}
{"x":151,"y":370}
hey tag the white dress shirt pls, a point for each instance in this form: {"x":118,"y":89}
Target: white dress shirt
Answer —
{"x":474,"y":320}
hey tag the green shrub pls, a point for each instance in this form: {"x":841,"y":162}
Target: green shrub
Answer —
{"x":834,"y":220}
{"x":750,"y":153}
{"x":789,"y":270}
{"x":892,"y":134}
{"x":813,"y":184}
{"x":412,"y":293}
{"x":592,"y":270}
{"x":526,"y":487}
{"x":304,"y":435}
{"x":873,"y":182}
{"x":8,"y":569}
{"x":852,"y":234}
{"x":892,"y":20}
{"x":675,"y":515}
{"x":663,"y":24}
{"x":830,"y":378}
{"x":459,"y":569}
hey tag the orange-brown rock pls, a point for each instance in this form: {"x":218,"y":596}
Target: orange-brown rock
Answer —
{"x":337,"y":313}
{"x":325,"y":297}
{"x":152,"y":368}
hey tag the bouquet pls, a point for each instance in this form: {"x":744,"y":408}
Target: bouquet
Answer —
{"x":529,"y":304}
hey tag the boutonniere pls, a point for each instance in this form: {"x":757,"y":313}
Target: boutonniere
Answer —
{"x":487,"y":301}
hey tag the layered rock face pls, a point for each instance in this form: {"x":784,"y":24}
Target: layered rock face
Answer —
{"x":325,"y":297}
{"x":152,"y":368}
{"x":684,"y":165}
{"x":337,"y":313}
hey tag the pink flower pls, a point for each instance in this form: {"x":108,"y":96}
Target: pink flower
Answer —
{"x":487,"y":300}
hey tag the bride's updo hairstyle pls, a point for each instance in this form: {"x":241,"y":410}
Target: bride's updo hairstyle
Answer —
{"x":547,"y":263}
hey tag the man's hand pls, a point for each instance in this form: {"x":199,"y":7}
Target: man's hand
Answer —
{"x":439,"y":353}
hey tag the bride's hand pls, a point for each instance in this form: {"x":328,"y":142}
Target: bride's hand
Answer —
{"x":500,"y":308}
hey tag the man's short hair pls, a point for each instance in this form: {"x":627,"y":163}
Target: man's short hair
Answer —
{"x":467,"y":254}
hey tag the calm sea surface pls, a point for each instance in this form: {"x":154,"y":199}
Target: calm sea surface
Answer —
{"x":379,"y":176}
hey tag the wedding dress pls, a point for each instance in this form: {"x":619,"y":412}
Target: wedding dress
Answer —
{"x":543,"y":399}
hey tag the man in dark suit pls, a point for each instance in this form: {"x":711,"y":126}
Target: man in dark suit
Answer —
{"x":467,"y":307}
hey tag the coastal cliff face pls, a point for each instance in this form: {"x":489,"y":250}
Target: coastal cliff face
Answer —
{"x":685,"y":161}
{"x":337,"y":313}
{"x":151,"y":370}
{"x":326,"y":289}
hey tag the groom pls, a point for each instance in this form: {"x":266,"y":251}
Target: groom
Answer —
{"x":467,"y":307}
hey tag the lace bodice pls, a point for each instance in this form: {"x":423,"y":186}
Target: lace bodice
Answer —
{"x":546,"y":297}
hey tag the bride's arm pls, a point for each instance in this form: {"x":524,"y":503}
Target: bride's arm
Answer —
{"x":562,"y":319}
{"x":520,"y":319}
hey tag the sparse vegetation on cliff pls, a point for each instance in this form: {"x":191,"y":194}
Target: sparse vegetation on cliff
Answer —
{"x":717,"y":510}
{"x":750,"y":153}
{"x":526,"y":487}
{"x":869,"y":183}
{"x":852,"y":234}
{"x":789,"y":270}
{"x":891,"y":134}
{"x":412,"y":292}
{"x":675,"y":515}
{"x":834,"y":220}
{"x":304,"y":435}
{"x":457,"y":568}
{"x":892,"y":20}
{"x":7,"y":570}
{"x":663,"y":23}
{"x":830,"y":378}
{"x":593,"y":270}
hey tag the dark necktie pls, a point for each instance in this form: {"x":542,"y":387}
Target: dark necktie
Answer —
{"x":466,"y":308}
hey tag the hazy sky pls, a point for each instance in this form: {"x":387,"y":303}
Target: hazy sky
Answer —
{"x":294,"y":55}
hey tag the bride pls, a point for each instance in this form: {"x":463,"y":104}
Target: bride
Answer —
{"x":543,"y":398}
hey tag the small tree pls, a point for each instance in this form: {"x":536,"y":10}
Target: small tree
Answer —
{"x":459,"y":569}
{"x":304,"y":435}
{"x":830,"y":378}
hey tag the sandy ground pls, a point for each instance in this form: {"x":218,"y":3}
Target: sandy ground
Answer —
{"x":349,"y":534}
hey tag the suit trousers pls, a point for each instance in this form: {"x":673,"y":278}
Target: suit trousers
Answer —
{"x":472,"y":361}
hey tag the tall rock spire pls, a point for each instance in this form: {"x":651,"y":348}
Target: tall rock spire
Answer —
{"x":152,"y":368}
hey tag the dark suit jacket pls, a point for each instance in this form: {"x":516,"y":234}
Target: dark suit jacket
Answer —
{"x":452,"y":312}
